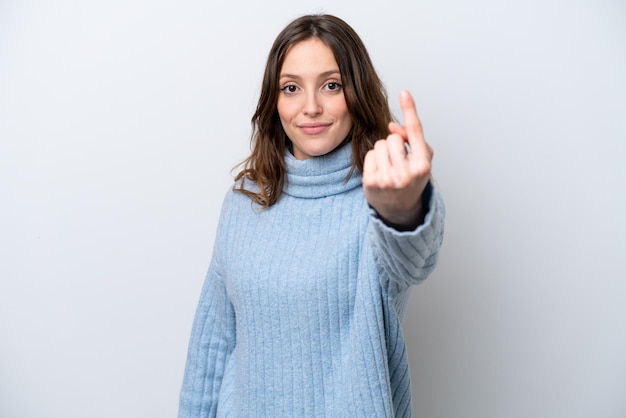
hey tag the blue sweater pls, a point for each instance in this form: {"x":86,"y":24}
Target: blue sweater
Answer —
{"x":301,"y":309}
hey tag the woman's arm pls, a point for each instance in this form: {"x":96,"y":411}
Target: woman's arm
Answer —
{"x":212,"y":336}
{"x":406,"y":258}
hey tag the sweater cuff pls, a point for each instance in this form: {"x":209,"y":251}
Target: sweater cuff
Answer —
{"x":435,"y":213}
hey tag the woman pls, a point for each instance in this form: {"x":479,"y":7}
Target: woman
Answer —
{"x":325,"y":231}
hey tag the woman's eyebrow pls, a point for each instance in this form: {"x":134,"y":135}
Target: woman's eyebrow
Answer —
{"x":322,"y":75}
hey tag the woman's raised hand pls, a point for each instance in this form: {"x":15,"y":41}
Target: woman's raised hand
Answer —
{"x":395,"y":175}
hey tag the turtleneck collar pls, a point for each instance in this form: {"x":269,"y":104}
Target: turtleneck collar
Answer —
{"x":321,"y":176}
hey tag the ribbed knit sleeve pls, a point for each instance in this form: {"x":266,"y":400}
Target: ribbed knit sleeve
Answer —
{"x":211,"y":344}
{"x":407,"y":258}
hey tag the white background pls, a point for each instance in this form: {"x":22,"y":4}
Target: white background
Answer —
{"x":121,"y":120}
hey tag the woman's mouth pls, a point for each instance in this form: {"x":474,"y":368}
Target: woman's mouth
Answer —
{"x":313,"y":128}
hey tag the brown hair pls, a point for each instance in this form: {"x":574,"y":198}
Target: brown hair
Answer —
{"x":365,"y":96}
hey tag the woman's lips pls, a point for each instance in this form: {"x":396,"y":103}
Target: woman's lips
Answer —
{"x":313,"y":128}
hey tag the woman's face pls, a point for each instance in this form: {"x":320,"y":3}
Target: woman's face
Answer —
{"x":311,"y":104}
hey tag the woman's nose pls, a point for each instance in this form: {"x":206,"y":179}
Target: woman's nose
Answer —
{"x":312,"y":105}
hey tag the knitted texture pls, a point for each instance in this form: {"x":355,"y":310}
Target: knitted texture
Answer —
{"x":301,"y":309}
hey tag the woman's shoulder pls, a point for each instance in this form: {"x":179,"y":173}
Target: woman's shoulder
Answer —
{"x":237,"y":196}
{"x":233,"y":194}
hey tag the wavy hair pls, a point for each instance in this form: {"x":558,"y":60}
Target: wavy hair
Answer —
{"x":365,"y":95}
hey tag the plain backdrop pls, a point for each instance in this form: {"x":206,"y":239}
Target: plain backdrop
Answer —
{"x":120,"y":122}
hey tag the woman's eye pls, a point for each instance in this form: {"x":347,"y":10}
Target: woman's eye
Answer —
{"x":333,"y":86}
{"x":290,"y":88}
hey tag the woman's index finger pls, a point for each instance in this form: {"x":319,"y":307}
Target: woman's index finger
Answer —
{"x":412,"y":122}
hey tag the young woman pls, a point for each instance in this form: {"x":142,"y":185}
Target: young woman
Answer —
{"x":331,"y":220}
